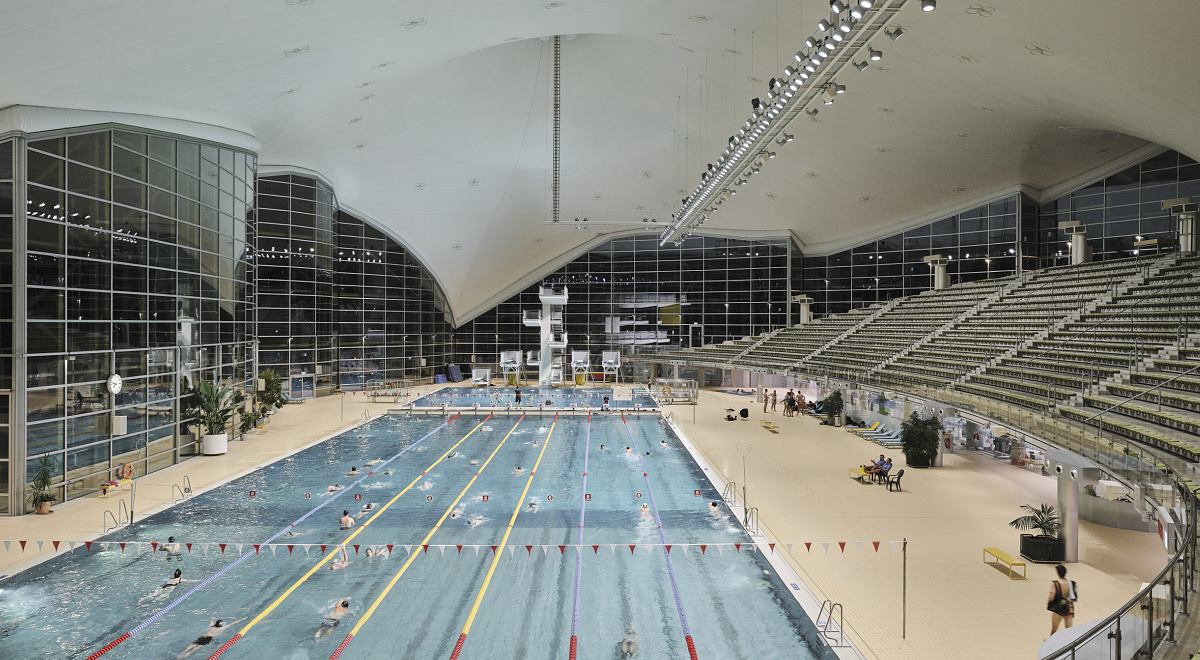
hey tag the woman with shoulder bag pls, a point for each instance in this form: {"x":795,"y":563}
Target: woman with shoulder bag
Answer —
{"x":1062,"y":600}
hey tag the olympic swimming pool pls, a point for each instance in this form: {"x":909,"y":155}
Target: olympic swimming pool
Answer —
{"x":533,"y":397}
{"x":732,"y":600}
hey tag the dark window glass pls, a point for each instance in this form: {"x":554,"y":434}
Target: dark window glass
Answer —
{"x":46,"y":170}
{"x":6,"y":161}
{"x":87,"y":181}
{"x":52,"y":146}
{"x":133,"y":141}
{"x":90,"y":148}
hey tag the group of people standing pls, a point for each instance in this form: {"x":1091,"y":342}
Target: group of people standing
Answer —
{"x":792,"y":401}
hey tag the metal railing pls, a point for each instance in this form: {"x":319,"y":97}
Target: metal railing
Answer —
{"x":122,"y":514}
{"x":825,"y":623}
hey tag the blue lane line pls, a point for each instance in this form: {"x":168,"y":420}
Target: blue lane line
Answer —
{"x":687,"y":633}
{"x":579,"y":555}
{"x":281,"y":532}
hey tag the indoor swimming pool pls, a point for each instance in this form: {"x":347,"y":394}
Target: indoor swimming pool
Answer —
{"x":532,"y":397}
{"x":527,"y":534}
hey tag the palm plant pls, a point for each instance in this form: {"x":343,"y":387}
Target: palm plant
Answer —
{"x":1044,"y":519}
{"x":212,"y":404}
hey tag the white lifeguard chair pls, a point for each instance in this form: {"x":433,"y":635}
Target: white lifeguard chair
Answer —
{"x":580,"y":365}
{"x":610,"y":362}
{"x":481,"y":377}
{"x":510,"y":367}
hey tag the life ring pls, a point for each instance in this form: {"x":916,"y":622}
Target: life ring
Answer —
{"x":666,"y":390}
{"x":127,"y":471}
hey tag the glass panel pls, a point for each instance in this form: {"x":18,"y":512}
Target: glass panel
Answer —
{"x":90,"y":148}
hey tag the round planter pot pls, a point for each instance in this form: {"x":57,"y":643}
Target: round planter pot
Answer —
{"x":43,"y":508}
{"x":214,"y":445}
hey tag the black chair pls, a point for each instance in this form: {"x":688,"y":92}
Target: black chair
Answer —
{"x":745,"y":413}
{"x":895,"y":481}
{"x":880,"y":476}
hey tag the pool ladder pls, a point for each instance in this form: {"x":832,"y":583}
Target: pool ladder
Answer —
{"x":825,"y":622}
{"x":185,"y":491}
{"x":730,"y":494}
{"x":121,"y":515}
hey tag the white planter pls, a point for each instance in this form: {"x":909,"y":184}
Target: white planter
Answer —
{"x":213,"y":445}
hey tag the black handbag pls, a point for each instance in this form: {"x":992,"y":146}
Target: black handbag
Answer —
{"x":1059,"y":604}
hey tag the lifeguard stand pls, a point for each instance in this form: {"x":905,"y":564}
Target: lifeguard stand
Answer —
{"x":580,"y":365}
{"x":610,"y":362}
{"x":510,"y":366}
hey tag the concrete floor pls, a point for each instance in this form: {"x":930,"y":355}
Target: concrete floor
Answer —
{"x":958,"y":607}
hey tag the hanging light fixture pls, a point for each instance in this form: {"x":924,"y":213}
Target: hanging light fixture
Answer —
{"x":928,"y":5}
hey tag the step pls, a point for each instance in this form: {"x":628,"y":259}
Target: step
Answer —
{"x":1135,"y":430}
{"x":1003,"y":395}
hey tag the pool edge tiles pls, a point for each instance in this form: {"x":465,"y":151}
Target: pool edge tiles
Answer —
{"x":561,"y":399}
{"x":805,"y":598}
{"x":47,"y":555}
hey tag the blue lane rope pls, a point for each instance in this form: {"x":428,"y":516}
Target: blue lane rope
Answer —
{"x":579,"y":555}
{"x":281,"y":532}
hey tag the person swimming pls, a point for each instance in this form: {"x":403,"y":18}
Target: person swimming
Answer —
{"x":369,"y":506}
{"x":172,"y":549}
{"x":662,"y":443}
{"x":215,"y":628}
{"x":533,"y":506}
{"x":714,"y":508}
{"x":331,"y":490}
{"x":629,"y":644}
{"x":346,"y":521}
{"x":353,"y":472}
{"x":340,"y":609}
{"x":645,"y":510}
{"x":629,"y":450}
{"x":476,"y":520}
{"x":370,"y":553}
{"x":375,"y":461}
{"x":174,"y":580}
{"x":456,"y":513}
{"x":454,"y":455}
{"x":519,"y":471}
{"x":389,"y":472}
{"x":474,"y":461}
{"x":339,"y":564}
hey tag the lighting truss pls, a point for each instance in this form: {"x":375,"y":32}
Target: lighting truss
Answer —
{"x":803,"y":83}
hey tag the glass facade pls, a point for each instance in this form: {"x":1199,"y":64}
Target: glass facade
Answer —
{"x":137,"y":251}
{"x":1120,"y":209}
{"x":6,"y":317}
{"x":630,"y":294}
{"x":296,"y":216}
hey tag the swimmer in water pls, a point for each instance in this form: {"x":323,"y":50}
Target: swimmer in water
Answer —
{"x":339,"y":564}
{"x":474,"y":461}
{"x":174,"y":580}
{"x":645,"y":510}
{"x":629,"y":450}
{"x":373,"y":462}
{"x":389,"y":471}
{"x":370,"y":553}
{"x":453,"y":455}
{"x":340,"y":609}
{"x":353,"y":472}
{"x":629,"y":645}
{"x":456,"y":513}
{"x":369,"y":506}
{"x":475,"y":520}
{"x":714,"y":508}
{"x":519,"y":471}
{"x":346,"y":521}
{"x":172,"y":549}
{"x":662,"y":443}
{"x":215,"y":628}
{"x":332,"y":489}
{"x":533,"y":506}
{"x":647,"y":453}
{"x":603,"y":447}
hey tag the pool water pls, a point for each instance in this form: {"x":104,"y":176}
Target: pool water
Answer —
{"x":735,"y":604}
{"x":532,"y":397}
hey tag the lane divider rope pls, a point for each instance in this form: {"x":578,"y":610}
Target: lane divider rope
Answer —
{"x":462,"y":638}
{"x":157,"y":615}
{"x":255,"y":621}
{"x":424,"y":544}
{"x":587,"y":442}
{"x":687,"y":633}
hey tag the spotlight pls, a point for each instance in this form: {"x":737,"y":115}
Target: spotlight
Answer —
{"x":857,"y":12}
{"x":861,"y":66}
{"x":865,"y":4}
{"x":895,"y":34}
{"x":928,"y":5}
{"x":840,"y":89}
{"x":810,"y":42}
{"x":801,"y":56}
{"x":837,"y":6}
{"x":846,"y":25}
{"x":875,"y":55}
{"x":788,"y":71}
{"x":810,"y":67}
{"x":755,"y":103}
{"x":823,"y":25}
{"x":787,"y":137}
{"x":770,"y":155}
{"x":811,"y":113}
{"x":837,"y":36}
{"x":803,"y":76}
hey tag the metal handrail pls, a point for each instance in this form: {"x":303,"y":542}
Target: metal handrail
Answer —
{"x":1190,"y":535}
{"x":1139,"y":394}
{"x":827,"y":608}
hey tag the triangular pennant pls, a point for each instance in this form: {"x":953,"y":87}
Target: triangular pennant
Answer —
{"x":721,"y":548}
{"x":86,"y":543}
{"x":154,"y":546}
{"x":72,"y":544}
{"x":649,"y":549}
{"x":7,"y":543}
{"x":703,"y":546}
{"x":189,"y":547}
{"x":23,"y":545}
{"x":826,"y":545}
{"x":476,"y":549}
{"x":668,"y":548}
{"x":545,"y":549}
{"x":290,"y":548}
{"x":107,"y":545}
{"x":528,"y":550}
{"x":389,"y":547}
{"x":204,"y":547}
{"x":859,"y":545}
{"x":895,"y":545}
{"x":772,"y":547}
{"x":356,"y":550}
{"x":494,"y":549}
{"x":39,"y":543}
{"x":808,"y":546}
{"x":685,"y":547}
{"x":239,"y":547}
{"x":510,"y":550}
{"x":443,"y":549}
{"x":425,"y":548}
{"x":222,"y":546}
{"x":595,"y":549}
{"x":408,"y":549}
{"x":789,"y":546}
{"x":256,"y":547}
{"x":842,"y":545}
{"x":738,"y":546}
{"x":876,"y":544}
{"x":631,"y":549}
{"x":272,"y":546}
{"x":121,"y":544}
{"x":459,"y":549}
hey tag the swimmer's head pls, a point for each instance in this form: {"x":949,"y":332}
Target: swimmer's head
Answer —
{"x":346,"y":603}
{"x":628,"y":449}
{"x":218,"y":623}
{"x":647,"y":453}
{"x":178,"y":573}
{"x":346,"y":512}
{"x":645,"y":506}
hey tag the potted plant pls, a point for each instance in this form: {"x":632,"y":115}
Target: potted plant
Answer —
{"x":271,"y":394}
{"x":832,"y":406}
{"x":919,"y":440}
{"x":212,"y":404}
{"x":41,"y":497}
{"x":1045,"y":546}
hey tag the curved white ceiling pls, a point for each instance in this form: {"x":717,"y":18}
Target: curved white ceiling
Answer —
{"x":432,"y":116}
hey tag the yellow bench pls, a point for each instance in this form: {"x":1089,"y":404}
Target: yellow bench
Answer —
{"x":770,"y":426}
{"x":859,"y":473}
{"x":1004,"y":558}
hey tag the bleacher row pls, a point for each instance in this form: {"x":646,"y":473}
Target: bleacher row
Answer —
{"x":1075,"y":340}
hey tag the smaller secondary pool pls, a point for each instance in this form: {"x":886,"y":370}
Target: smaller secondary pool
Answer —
{"x":532,"y":397}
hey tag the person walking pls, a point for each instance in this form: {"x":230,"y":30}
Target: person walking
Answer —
{"x":774,"y":399}
{"x":1061,"y":602}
